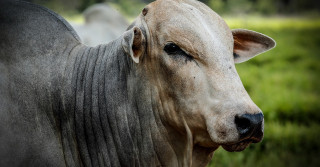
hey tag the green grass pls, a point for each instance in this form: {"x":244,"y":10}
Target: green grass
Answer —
{"x":285,"y":84}
{"x":74,"y":17}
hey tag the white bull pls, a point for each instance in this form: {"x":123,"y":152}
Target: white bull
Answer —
{"x":102,"y":25}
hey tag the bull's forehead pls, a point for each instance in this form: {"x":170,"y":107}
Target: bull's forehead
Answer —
{"x":191,"y":25}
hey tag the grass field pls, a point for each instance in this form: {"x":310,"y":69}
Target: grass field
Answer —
{"x":285,"y":84}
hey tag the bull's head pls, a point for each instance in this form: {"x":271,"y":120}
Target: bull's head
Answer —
{"x":188,"y":54}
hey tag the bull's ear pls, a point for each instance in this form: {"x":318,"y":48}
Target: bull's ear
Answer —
{"x":133,"y":43}
{"x":248,"y":44}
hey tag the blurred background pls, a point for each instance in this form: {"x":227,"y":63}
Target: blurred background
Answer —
{"x":284,"y":82}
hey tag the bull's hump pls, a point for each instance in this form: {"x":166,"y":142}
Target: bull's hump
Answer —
{"x":25,"y":25}
{"x":59,"y":20}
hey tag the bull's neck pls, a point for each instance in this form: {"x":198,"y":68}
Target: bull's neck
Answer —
{"x":96,"y":120}
{"x":105,"y":119}
{"x":110,"y":114}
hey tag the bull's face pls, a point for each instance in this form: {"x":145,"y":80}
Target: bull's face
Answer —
{"x":190,"y":59}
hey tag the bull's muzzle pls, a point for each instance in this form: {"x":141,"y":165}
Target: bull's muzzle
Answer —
{"x":250,"y":126}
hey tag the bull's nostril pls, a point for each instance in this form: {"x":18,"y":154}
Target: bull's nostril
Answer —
{"x":248,"y":124}
{"x":242,"y":123}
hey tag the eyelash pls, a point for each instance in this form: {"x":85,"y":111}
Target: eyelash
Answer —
{"x":173,"y":49}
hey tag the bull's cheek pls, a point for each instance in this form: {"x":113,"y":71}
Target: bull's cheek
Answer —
{"x":183,"y":85}
{"x":182,"y":88}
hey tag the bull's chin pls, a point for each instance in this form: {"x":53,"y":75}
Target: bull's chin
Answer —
{"x":236,"y":147}
{"x":242,"y":144}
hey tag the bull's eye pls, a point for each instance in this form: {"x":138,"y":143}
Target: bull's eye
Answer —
{"x":173,"y":49}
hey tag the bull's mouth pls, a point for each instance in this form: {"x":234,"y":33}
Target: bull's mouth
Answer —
{"x":241,"y":145}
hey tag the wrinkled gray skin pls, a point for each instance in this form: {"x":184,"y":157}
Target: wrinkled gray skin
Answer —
{"x":125,"y":103}
{"x":102,"y":25}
